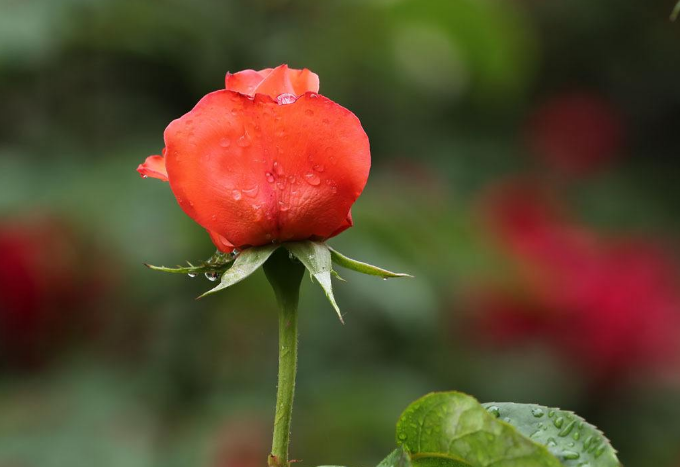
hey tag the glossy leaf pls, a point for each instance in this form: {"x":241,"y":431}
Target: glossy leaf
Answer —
{"x":400,"y":458}
{"x":246,"y":263}
{"x":569,"y":437}
{"x":397,"y":458}
{"x":364,"y":268}
{"x":316,"y":257}
{"x":454,"y":426}
{"x":218,"y":263}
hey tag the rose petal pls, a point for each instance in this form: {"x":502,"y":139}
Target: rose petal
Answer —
{"x":276,"y":83}
{"x":255,"y":171}
{"x":154,"y":167}
{"x":220,"y":242}
{"x":303,"y":81}
{"x":245,"y":81}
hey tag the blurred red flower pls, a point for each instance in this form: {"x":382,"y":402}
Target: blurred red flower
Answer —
{"x":45,"y":290}
{"x":267,"y":159}
{"x":575,"y":133}
{"x":610,"y":305}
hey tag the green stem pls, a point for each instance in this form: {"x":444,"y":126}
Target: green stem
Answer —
{"x":285,"y":276}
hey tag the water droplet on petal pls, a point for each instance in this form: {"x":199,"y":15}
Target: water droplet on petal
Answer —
{"x":313,"y":179}
{"x":270,"y":177}
{"x":319,"y":168}
{"x":280,"y":184}
{"x":225,"y":143}
{"x":286,"y":98}
{"x":251,"y":192}
{"x":291,"y":179}
{"x":283,"y":207}
{"x":236,"y":194}
{"x":278,"y":168}
{"x":243,"y":141}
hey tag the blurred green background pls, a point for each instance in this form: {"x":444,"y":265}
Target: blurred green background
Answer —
{"x":525,"y":170}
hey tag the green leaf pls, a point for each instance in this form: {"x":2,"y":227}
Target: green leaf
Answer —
{"x":400,"y":458}
{"x":456,"y":427}
{"x":316,"y":257}
{"x":676,"y":12}
{"x":397,"y":458}
{"x":569,"y":437}
{"x":364,"y":268}
{"x":246,"y":263}
{"x":218,"y":263}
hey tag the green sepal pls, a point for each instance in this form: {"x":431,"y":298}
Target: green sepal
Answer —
{"x":364,"y":268}
{"x":316,"y":257}
{"x":567,"y":436}
{"x":246,"y":263}
{"x":216,"y":264}
{"x":455,"y":426}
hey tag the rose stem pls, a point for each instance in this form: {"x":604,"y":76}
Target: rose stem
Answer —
{"x":285,"y":276}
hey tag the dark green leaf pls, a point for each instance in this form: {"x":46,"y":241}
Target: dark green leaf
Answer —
{"x":246,"y":263}
{"x":316,"y":257}
{"x":570,"y":438}
{"x":364,"y":268}
{"x":217,"y":264}
{"x":456,"y":427}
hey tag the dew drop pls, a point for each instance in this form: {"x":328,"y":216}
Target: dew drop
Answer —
{"x":211,"y":276}
{"x":570,"y":455}
{"x":281,"y":185}
{"x":313,"y":179}
{"x":551,"y":443}
{"x":559,"y":421}
{"x":537,"y":412}
{"x":251,"y":192}
{"x":270,"y":177}
{"x":286,"y":98}
{"x":225,"y":143}
{"x":283,"y":207}
{"x":191,"y":274}
{"x":214,"y":217}
{"x":236,"y":194}
{"x":291,"y":179}
{"x":319,"y":168}
{"x":494,"y":410}
{"x":313,"y":95}
{"x":243,"y":141}
{"x":278,"y":168}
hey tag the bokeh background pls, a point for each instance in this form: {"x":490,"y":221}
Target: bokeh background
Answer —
{"x":525,"y":170}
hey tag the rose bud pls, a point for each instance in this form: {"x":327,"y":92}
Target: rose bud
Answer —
{"x":265,"y":160}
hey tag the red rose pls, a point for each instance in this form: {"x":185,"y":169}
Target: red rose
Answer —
{"x":265,"y":160}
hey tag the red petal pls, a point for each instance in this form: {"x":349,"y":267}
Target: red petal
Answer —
{"x":304,"y":81}
{"x":277,"y":83}
{"x":154,"y":167}
{"x":255,"y":171}
{"x":245,"y":81}
{"x":220,"y":242}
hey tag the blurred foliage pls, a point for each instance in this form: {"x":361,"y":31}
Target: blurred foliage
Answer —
{"x":447,"y":91}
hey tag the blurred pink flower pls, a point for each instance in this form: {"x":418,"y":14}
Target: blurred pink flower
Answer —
{"x":611,"y":305}
{"x":575,"y":133}
{"x":44,"y":289}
